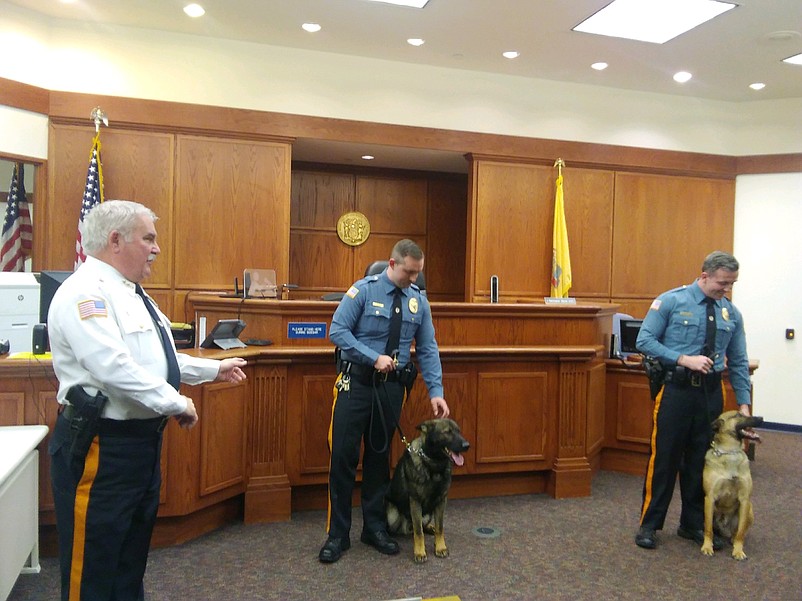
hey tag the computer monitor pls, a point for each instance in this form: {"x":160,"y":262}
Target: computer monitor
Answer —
{"x":629,"y":335}
{"x":49,"y":281}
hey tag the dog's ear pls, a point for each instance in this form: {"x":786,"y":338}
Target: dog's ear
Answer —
{"x":717,"y":423}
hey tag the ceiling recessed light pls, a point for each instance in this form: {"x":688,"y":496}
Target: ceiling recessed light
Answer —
{"x":794,"y":60}
{"x":311,"y":27}
{"x":368,"y":157}
{"x":656,"y":21}
{"x":416,"y":42}
{"x":511,"y":54}
{"x":599,"y":66}
{"x":757,"y":85}
{"x":682,"y":76}
{"x":194,"y":10}
{"x":410,"y":3}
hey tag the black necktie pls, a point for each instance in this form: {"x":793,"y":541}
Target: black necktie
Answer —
{"x":173,"y":373}
{"x":709,"y":349}
{"x":395,"y":324}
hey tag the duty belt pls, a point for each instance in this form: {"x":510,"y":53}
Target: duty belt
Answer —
{"x":695,"y":379}
{"x":125,"y":427}
{"x":364,"y":374}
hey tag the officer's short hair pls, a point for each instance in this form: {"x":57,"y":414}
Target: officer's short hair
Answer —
{"x":120,"y":215}
{"x":719,"y":260}
{"x":406,"y":248}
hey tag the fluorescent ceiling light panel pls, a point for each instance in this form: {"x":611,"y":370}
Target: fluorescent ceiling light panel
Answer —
{"x":794,"y":60}
{"x":655,"y":21}
{"x":410,"y":3}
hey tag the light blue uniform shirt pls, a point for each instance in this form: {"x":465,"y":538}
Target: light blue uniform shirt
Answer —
{"x":361,"y":326}
{"x":675,"y":325}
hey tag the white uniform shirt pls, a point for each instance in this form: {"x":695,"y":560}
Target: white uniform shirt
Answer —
{"x":103,"y":338}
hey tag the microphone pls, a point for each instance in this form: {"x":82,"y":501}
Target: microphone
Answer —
{"x":493,"y":288}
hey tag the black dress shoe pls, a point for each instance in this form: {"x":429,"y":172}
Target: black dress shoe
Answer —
{"x":381,"y":541}
{"x":646,"y":538}
{"x":698,"y":536}
{"x":333,"y":549}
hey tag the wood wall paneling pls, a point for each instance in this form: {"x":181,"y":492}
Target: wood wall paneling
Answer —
{"x":511,"y":216}
{"x":511,"y":416}
{"x":663,"y":228}
{"x":319,"y":198}
{"x":12,"y":408}
{"x":393,"y":206}
{"x":320,"y":261}
{"x":137,"y":166}
{"x":233,"y":204}
{"x":223,"y":436}
{"x":444,"y":266}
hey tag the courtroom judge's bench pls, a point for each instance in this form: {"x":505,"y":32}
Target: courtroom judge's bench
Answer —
{"x":527,"y":383}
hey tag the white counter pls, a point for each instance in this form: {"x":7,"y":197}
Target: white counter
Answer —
{"x":19,"y":503}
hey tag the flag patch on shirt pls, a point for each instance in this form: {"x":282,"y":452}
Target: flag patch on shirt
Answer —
{"x":352,"y":291}
{"x":92,"y":308}
{"x":655,"y":305}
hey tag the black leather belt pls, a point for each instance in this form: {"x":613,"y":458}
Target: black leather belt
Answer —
{"x":133,"y":428}
{"x":694,"y":379}
{"x":364,"y":374}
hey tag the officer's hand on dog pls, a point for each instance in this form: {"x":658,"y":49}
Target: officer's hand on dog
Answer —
{"x":189,"y":417}
{"x":440,"y":407}
{"x":700,"y":363}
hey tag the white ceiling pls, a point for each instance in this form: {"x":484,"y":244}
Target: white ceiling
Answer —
{"x":742,"y":46}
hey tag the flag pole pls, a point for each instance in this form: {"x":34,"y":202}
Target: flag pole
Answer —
{"x":559,"y":163}
{"x":98,"y":116}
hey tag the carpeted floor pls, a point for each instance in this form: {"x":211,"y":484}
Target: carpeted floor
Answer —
{"x":506,"y":548}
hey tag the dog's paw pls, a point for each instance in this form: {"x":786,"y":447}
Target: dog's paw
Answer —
{"x":738,"y":553}
{"x":428,"y":528}
{"x":707,"y":549}
{"x":441,"y":552}
{"x":420,"y":558}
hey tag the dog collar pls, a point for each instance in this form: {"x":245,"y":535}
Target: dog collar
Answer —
{"x":718,"y":453}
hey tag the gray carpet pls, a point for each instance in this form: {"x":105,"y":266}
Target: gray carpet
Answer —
{"x":573,"y":549}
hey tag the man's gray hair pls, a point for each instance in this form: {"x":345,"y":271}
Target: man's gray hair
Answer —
{"x":121,"y":215}
{"x":719,"y":260}
{"x":406,"y":248}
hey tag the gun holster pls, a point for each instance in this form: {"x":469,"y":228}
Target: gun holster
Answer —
{"x":656,"y":372}
{"x":84,"y":419}
{"x":407,"y":375}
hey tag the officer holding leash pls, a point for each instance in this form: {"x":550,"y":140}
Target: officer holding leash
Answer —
{"x":118,"y":373}
{"x":375,"y":376}
{"x":687,"y":334}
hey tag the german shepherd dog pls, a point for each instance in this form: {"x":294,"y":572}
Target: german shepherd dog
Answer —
{"x":727,"y":482}
{"x":419,"y":488}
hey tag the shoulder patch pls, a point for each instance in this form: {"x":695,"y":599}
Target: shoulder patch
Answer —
{"x":655,"y":304}
{"x":92,"y":308}
{"x":352,"y":292}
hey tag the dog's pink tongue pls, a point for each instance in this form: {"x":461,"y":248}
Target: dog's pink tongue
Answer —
{"x":457,"y":458}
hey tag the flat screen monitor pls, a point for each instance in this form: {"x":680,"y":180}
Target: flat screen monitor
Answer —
{"x":49,"y":281}
{"x":629,"y":334}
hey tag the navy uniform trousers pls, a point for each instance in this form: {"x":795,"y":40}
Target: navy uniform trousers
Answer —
{"x":106,"y":508}
{"x":355,"y":418}
{"x":680,"y":438}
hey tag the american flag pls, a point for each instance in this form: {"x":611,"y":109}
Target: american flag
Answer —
{"x":93,"y":195}
{"x":16,"y":240}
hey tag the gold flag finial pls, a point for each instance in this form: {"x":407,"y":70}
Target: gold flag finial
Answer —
{"x":559,"y":163}
{"x":99,"y":116}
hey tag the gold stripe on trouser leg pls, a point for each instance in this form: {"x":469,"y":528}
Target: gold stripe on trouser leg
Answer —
{"x":336,"y":390}
{"x":647,"y":499}
{"x":79,"y":518}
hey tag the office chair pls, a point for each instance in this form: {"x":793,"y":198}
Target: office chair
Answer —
{"x":377,"y":267}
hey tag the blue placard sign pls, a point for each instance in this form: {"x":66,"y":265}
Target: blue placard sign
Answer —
{"x":305,"y":329}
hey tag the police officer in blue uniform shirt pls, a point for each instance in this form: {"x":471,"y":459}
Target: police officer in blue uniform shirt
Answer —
{"x":675,"y":332}
{"x":370,"y":390}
